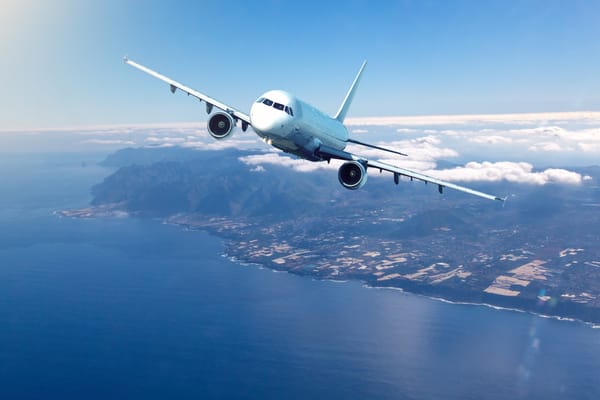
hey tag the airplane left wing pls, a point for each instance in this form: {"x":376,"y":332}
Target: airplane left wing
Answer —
{"x":210,"y":102}
{"x":398,"y":172}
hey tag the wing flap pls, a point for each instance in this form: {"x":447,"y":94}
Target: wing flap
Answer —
{"x":210,"y":102}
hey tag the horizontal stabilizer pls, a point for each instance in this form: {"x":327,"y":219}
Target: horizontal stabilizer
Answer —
{"x":375,"y":147}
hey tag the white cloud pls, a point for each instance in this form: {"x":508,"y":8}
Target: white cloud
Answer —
{"x":258,"y":168}
{"x":548,"y":146}
{"x":274,"y":158}
{"x":165,"y":139}
{"x":472,"y":172}
{"x":489,"y":139}
{"x":110,"y":142}
{"x":407,"y":130}
{"x":589,"y":147}
{"x":160,"y":145}
{"x":518,"y":172}
{"x":214,"y":144}
{"x":422,"y":152}
{"x":592,"y":117}
{"x":550,"y":138}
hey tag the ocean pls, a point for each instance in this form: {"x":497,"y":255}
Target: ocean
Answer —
{"x":131,"y":308}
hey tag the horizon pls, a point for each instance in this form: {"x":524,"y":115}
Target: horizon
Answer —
{"x":586,"y":116}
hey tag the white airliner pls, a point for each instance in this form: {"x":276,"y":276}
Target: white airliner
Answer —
{"x":293,"y":126}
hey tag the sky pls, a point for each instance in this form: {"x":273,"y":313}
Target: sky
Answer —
{"x":62,"y":59}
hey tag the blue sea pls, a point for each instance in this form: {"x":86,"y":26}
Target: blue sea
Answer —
{"x":134,"y":309}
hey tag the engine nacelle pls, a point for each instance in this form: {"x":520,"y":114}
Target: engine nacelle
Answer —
{"x":220,"y":125}
{"x":352,"y":175}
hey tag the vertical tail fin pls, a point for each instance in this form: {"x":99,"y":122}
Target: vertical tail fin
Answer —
{"x":341,"y":114}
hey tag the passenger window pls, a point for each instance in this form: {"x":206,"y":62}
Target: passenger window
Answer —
{"x":268,"y":102}
{"x":278,"y":106}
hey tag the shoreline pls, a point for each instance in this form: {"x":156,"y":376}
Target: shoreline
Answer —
{"x":591,"y":324}
{"x":366,"y":285}
{"x":429,"y":291}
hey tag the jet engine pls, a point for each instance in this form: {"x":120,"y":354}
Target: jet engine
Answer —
{"x":352,"y":175}
{"x":220,"y":125}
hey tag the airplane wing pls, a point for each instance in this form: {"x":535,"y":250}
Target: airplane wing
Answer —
{"x":210,"y":102}
{"x":398,"y":172}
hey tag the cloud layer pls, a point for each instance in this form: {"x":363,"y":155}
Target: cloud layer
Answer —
{"x":516,"y":172}
{"x":589,"y":117}
{"x":503,"y":147}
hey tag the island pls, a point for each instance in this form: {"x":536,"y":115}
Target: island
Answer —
{"x":539,"y":253}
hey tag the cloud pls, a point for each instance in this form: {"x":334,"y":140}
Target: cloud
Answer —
{"x":489,"y":139}
{"x":274,"y":158}
{"x":517,"y":172}
{"x":549,"y":138}
{"x":548,"y":146}
{"x":423,"y":155}
{"x":161,"y":145}
{"x":109,"y":142}
{"x":589,"y":147}
{"x":422,"y":152}
{"x":165,"y":139}
{"x":213,"y":144}
{"x":407,"y":130}
{"x":567,"y":137}
{"x":592,"y":117}
{"x":258,"y":168}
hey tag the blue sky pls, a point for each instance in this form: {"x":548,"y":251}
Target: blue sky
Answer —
{"x":61,"y":60}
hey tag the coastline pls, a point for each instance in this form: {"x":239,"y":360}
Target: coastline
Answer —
{"x":445,"y":295}
{"x":591,"y":324}
{"x":367,"y":285}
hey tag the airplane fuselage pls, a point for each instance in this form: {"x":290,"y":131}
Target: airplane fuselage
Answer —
{"x":294,"y":126}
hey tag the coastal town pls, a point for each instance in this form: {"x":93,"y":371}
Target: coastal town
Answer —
{"x":534,"y":274}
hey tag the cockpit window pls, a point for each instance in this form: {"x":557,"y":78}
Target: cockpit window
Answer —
{"x":270,"y":103}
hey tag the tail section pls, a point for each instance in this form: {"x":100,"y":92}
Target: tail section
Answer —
{"x":341,"y":114}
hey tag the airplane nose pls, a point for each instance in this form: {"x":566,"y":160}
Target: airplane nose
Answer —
{"x":261,"y":119}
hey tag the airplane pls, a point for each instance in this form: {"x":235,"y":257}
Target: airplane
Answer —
{"x":294,"y":126}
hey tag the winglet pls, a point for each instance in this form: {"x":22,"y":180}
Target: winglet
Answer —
{"x":125,"y":59}
{"x":341,"y":114}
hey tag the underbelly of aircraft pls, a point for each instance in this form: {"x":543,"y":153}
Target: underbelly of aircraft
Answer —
{"x":298,"y":144}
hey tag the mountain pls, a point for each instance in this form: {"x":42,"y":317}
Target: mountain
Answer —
{"x":214,"y":183}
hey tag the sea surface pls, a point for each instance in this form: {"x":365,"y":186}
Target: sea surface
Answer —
{"x":129,"y":308}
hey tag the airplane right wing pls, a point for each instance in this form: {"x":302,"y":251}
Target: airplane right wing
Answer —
{"x":210,"y":102}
